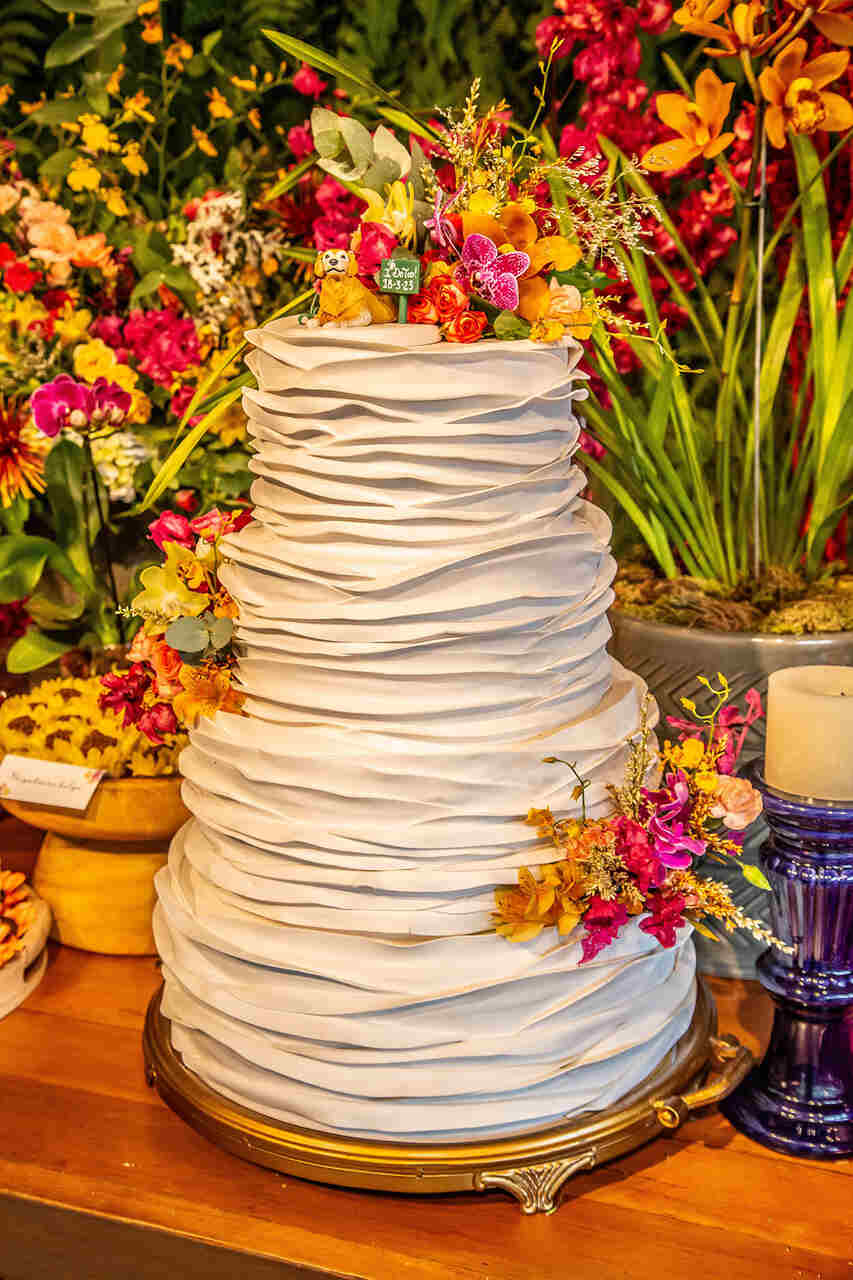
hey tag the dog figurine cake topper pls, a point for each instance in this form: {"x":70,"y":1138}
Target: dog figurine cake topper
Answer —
{"x":345,"y":302}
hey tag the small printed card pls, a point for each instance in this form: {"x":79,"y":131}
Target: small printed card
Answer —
{"x":68,"y":786}
{"x":400,"y":275}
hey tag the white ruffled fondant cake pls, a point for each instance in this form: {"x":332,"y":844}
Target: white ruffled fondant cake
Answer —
{"x":423,"y":601}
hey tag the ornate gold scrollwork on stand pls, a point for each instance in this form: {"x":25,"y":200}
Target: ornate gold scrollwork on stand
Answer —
{"x":537,"y":1187}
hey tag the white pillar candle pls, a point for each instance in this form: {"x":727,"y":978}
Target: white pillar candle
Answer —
{"x":810,"y":732}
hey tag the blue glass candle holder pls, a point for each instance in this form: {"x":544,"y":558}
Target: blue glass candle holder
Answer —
{"x":800,"y":1098}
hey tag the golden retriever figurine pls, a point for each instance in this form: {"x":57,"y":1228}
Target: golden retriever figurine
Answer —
{"x":344,"y":301}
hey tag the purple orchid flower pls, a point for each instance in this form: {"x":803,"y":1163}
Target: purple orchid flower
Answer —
{"x":492,"y":275}
{"x":60,"y":403}
{"x":672,"y":846}
{"x":439,"y":226}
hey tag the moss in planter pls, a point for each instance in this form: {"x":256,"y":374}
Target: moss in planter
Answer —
{"x":780,"y":603}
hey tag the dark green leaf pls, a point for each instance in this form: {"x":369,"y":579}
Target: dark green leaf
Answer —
{"x":34,"y":650}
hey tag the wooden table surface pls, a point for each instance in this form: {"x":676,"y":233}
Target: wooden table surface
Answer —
{"x":100,"y":1181}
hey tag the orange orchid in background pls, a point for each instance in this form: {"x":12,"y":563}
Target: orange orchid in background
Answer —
{"x":797,"y":99}
{"x":833,"y":18}
{"x":703,"y":12}
{"x":699,"y":123}
{"x":207,"y":689}
{"x":742,"y":32}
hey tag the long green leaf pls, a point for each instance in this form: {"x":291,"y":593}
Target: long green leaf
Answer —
{"x":181,"y":452}
{"x":820,"y":266}
{"x":655,"y":543}
{"x":290,"y":179}
{"x":330,"y":66}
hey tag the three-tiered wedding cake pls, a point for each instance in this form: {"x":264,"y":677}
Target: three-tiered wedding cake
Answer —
{"x":423,"y":599}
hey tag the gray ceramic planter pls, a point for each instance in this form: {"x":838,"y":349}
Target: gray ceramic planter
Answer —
{"x":669,"y":659}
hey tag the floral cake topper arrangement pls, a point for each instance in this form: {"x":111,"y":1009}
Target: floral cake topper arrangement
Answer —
{"x":486,"y":233}
{"x":641,"y":861}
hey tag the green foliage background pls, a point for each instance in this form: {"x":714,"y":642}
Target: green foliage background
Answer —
{"x":429,"y":50}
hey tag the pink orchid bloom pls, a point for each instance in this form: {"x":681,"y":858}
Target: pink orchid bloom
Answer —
{"x":439,"y":225}
{"x":489,"y":273}
{"x":64,"y":402}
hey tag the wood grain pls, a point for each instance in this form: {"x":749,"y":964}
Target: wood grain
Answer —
{"x":99,"y":1180}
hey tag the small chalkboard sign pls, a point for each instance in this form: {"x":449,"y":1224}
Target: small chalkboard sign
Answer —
{"x":403,"y":277}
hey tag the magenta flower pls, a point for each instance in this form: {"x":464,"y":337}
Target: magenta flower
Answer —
{"x":376,"y":243}
{"x":300,"y":141}
{"x":492,"y":275}
{"x":603,"y":921}
{"x":60,"y":403}
{"x":667,"y":916}
{"x":112,"y":402}
{"x":171,"y":527}
{"x":124,"y":692}
{"x":308,"y":82}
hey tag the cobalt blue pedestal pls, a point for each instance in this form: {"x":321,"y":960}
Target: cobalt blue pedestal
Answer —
{"x":800,"y":1098}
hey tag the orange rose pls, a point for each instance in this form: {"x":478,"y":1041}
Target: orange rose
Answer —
{"x":53,"y":242}
{"x":93,"y":251}
{"x":466,"y":326}
{"x":422,"y":310}
{"x":448,"y":297}
{"x":737,"y":802}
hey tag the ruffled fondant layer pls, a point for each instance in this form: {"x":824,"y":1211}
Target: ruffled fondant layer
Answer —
{"x":423,"y":601}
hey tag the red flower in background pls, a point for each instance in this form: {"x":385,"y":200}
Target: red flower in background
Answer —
{"x":308,"y":82}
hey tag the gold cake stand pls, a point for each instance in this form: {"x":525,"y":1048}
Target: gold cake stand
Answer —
{"x":699,"y":1070}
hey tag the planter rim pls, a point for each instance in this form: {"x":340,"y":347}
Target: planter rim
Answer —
{"x":736,"y":637}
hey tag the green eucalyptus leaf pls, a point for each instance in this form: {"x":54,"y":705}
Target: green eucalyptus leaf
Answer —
{"x":220,"y":631}
{"x":187,"y":635}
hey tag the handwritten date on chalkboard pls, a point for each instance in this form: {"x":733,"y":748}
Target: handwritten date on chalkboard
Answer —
{"x":400,"y":275}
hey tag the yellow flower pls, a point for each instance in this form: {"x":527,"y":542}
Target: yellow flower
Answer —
{"x":136,"y":108}
{"x":207,"y":689}
{"x":115,"y":81}
{"x":26,"y":312}
{"x":27,"y":108}
{"x":147,"y":8}
{"x":115,"y":202}
{"x":231,"y":427}
{"x":396,"y":213}
{"x":178,"y":53}
{"x":202,"y":141}
{"x":166,"y":588}
{"x":218,"y":106}
{"x":547,"y":331}
{"x":707,"y":782}
{"x":132,"y":159}
{"x":699,"y":124}
{"x":524,"y":912}
{"x":83,"y":176}
{"x":152,"y":31}
{"x":5,"y":94}
{"x":248,"y":85}
{"x":140,"y":407}
{"x":95,"y":135}
{"x":71,"y":325}
{"x":482,"y":202}
{"x":254,"y":117}
{"x":438,"y":268}
{"x":95,"y":360}
{"x":690,"y":754}
{"x":797,"y":97}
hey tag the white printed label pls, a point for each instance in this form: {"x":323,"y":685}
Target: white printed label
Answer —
{"x":66,"y":786}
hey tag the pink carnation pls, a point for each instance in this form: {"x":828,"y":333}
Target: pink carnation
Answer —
{"x":377,"y":242}
{"x":162,"y":344}
{"x":170,"y":527}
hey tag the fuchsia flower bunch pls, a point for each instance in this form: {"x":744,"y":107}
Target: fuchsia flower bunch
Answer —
{"x":640,"y":862}
{"x":65,"y":402}
{"x":160,"y":343}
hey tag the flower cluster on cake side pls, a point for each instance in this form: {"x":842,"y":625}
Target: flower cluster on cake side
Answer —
{"x":641,"y":861}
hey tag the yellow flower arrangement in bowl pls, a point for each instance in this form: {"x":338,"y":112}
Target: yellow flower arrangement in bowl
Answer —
{"x":96,"y":869}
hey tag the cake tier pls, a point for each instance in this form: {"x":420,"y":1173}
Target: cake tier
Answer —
{"x":423,"y":601}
